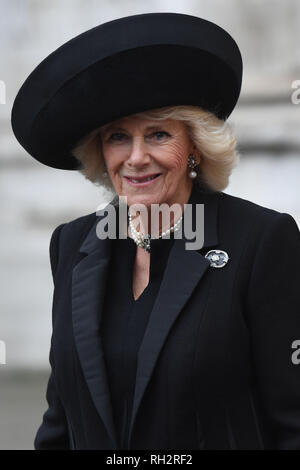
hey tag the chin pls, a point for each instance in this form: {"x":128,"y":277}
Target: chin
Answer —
{"x":141,"y":199}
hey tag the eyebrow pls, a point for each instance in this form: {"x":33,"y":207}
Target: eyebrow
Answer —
{"x":112,"y":126}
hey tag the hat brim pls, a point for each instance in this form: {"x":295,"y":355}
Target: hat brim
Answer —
{"x":119,"y":68}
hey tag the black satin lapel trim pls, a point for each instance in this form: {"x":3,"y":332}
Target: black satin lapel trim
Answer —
{"x":88,"y":290}
{"x":174,"y":293}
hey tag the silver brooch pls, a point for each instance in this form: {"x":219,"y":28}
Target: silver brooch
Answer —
{"x":217,"y":258}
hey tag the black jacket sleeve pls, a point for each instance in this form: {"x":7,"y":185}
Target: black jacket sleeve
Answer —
{"x":53,"y":432}
{"x":273,"y":310}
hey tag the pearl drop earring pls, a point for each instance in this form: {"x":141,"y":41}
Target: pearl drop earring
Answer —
{"x":192,"y":163}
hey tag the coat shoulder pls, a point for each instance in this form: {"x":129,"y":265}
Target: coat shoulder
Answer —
{"x":72,"y":234}
{"x":75,"y":228}
{"x":80,"y":223}
{"x":239,"y":210}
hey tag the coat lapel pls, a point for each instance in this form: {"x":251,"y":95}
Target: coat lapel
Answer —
{"x":183,"y":272}
{"x":88,"y":291}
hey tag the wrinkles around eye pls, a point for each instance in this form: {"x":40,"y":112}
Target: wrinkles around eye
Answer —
{"x":119,"y":136}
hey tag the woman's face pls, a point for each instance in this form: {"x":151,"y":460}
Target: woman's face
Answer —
{"x":134,"y":148}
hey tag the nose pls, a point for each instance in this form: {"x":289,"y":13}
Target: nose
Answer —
{"x":138,"y":155}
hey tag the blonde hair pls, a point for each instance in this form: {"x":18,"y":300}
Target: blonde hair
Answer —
{"x":212,"y":136}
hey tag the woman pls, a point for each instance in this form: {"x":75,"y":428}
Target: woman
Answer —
{"x":152,"y":346}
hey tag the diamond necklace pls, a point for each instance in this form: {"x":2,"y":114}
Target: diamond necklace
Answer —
{"x":144,"y":240}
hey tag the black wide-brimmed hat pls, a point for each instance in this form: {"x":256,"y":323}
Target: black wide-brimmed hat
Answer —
{"x":128,"y":65}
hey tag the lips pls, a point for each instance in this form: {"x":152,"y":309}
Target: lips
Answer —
{"x":142,"y":180}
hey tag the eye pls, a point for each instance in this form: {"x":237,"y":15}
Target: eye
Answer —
{"x":160,"y":134}
{"x":116,"y":136}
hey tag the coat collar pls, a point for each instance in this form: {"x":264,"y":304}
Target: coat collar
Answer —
{"x":88,"y":290}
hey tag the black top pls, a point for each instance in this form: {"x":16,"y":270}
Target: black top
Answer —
{"x":124,"y":321}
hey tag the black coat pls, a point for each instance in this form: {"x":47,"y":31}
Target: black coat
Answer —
{"x":215,"y":368}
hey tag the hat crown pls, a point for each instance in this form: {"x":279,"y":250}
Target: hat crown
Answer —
{"x":127,"y":65}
